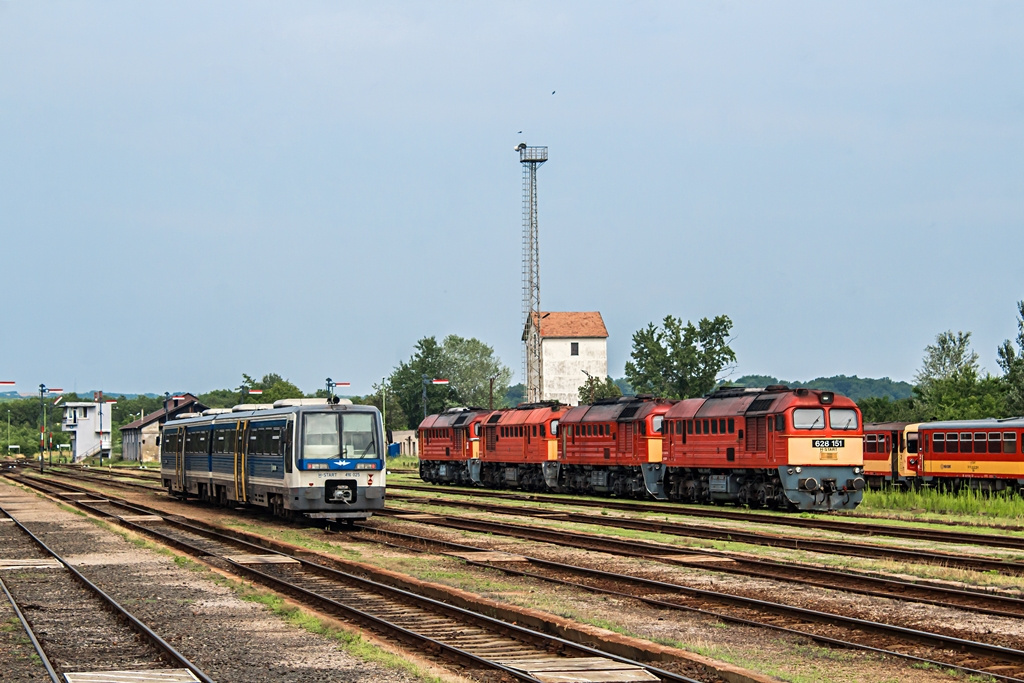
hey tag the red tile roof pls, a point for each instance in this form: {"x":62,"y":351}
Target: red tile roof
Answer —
{"x":573,"y":325}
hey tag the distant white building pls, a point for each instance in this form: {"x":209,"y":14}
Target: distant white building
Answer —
{"x":89,"y":425}
{"x":572,"y":345}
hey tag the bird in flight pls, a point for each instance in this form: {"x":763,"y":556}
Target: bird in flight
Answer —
{"x":519,"y":133}
{"x":552,"y":92}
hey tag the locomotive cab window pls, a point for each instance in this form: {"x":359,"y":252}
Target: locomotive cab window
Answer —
{"x":809,"y":418}
{"x":657,"y":424}
{"x":842,"y":418}
{"x":554,"y":428}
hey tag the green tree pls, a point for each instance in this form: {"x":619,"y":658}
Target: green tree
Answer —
{"x":594,"y":389}
{"x":677,"y":360}
{"x":1011,"y":360}
{"x":950,"y":385}
{"x":274,"y":388}
{"x":468,"y":365}
{"x":886,"y":409}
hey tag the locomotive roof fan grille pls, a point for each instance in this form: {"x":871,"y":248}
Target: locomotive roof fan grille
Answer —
{"x":760,"y":405}
{"x":628,"y":412}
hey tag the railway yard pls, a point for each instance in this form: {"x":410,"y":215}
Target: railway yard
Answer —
{"x":103,"y":572}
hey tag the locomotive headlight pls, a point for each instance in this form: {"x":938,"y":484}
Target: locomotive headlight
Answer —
{"x":317,"y":466}
{"x":790,"y":471}
{"x":366,"y":465}
{"x":858,"y":470}
{"x":798,"y":469}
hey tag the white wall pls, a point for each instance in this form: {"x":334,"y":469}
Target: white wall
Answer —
{"x":563,"y":372}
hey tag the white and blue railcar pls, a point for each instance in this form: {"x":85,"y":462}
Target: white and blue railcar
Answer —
{"x":297,"y":457}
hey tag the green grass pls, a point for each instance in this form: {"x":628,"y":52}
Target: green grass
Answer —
{"x":971,"y":506}
{"x":404,"y":462}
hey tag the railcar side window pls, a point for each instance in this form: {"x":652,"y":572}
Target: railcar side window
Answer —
{"x":939,"y":443}
{"x":842,"y":418}
{"x":869,"y":443}
{"x":809,"y":418}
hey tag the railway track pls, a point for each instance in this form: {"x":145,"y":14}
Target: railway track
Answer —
{"x":975,"y":563}
{"x":916,"y":645}
{"x":708,"y":512}
{"x":974,"y":658}
{"x":78,"y":632}
{"x":473,"y":639}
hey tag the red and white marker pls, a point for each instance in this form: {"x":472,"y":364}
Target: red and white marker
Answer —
{"x":7,"y":384}
{"x":342,"y":384}
{"x":178,"y":398}
{"x":55,"y":391}
{"x":255,"y":392}
{"x":439,"y":381}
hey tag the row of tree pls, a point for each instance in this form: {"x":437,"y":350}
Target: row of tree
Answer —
{"x":676,"y":360}
{"x":951,"y":386}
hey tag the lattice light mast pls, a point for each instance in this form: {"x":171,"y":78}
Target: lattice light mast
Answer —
{"x":531,"y":159}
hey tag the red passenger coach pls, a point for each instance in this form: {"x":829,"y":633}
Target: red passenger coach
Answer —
{"x":890,"y":454}
{"x":774,"y":447}
{"x":606,"y":445}
{"x":450,"y":446}
{"x":517,"y":443}
{"x":983,"y":455}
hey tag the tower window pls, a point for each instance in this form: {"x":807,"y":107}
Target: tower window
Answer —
{"x":574,"y":348}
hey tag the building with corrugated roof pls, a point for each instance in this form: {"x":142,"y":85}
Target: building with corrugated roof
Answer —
{"x":140,"y":440}
{"x":573,"y":345}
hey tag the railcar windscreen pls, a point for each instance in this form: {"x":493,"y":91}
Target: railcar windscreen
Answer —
{"x":809,"y":418}
{"x":320,"y":436}
{"x":842,"y":418}
{"x":357,"y":436}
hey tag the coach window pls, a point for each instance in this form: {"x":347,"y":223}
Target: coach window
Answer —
{"x":1009,"y":442}
{"x":952,"y":443}
{"x":994,"y":443}
{"x":809,"y":418}
{"x":574,"y":348}
{"x":869,"y":443}
{"x":965,"y":443}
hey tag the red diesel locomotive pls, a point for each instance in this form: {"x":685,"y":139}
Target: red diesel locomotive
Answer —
{"x":775,"y":447}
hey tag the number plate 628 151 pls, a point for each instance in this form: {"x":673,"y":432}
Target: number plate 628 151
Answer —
{"x":828,"y":443}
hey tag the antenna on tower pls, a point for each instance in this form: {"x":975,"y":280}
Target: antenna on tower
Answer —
{"x":531,"y":159}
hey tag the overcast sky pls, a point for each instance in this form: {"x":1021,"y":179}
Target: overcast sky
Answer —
{"x":190,"y":191}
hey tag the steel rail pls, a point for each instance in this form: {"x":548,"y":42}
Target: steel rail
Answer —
{"x":616,"y":577}
{"x":709,"y":512}
{"x":31,"y":635}
{"x":734,"y":563}
{"x":711,"y":533}
{"x":523,"y":634}
{"x":906,"y":634}
{"x":135,"y":624}
{"x":982,"y":602}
